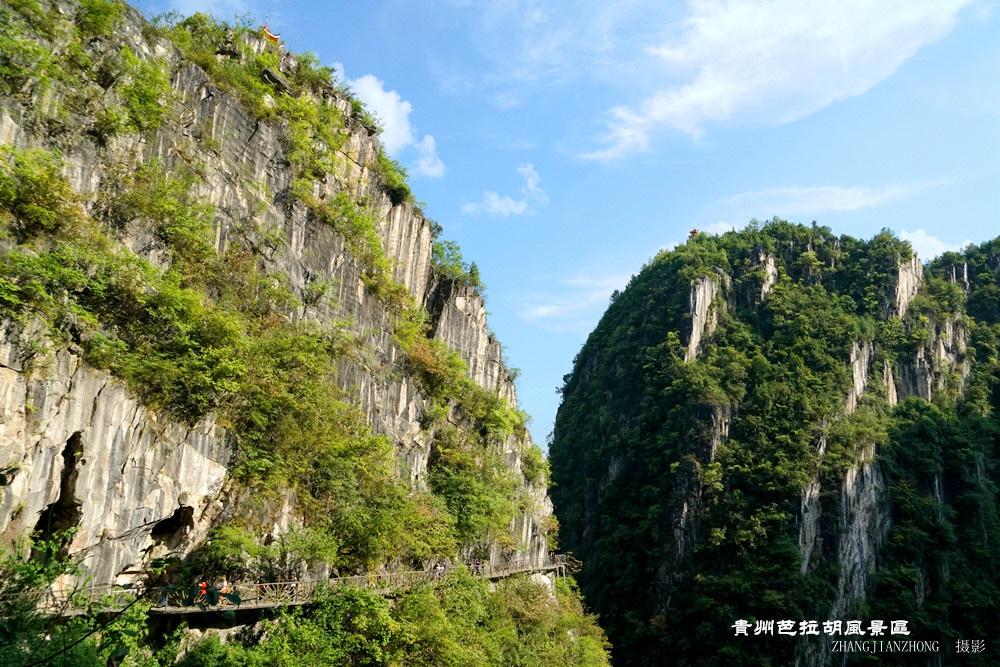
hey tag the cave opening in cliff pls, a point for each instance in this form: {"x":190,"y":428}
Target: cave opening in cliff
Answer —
{"x":174,"y":526}
{"x":65,"y":513}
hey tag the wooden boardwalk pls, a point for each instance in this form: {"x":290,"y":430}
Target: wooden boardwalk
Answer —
{"x":255,"y":595}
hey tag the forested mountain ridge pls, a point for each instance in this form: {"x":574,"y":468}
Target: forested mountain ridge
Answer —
{"x":780,"y":423}
{"x":232,"y":344}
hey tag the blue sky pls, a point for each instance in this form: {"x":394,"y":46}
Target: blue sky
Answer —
{"x":563,"y":143}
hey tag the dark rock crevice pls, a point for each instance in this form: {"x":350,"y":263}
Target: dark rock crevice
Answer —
{"x":65,"y":513}
{"x":172,"y":530}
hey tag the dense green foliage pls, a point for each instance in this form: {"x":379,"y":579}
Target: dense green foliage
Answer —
{"x":455,"y":622}
{"x":394,"y":178}
{"x":651,"y":487}
{"x":144,"y":92}
{"x":980,"y":264}
{"x":448,"y":260}
{"x":457,"y":619}
{"x":30,"y":637}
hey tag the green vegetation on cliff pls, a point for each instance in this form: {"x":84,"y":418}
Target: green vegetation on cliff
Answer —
{"x":212,"y":332}
{"x":133,"y":277}
{"x":684,"y":484}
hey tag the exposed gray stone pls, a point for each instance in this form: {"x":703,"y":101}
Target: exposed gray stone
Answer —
{"x":141,"y":468}
{"x":908,"y":281}
{"x":703,"y":316}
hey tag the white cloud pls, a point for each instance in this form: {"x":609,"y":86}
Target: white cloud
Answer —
{"x":720,"y":227}
{"x":772,"y":62}
{"x":531,"y":178}
{"x":338,"y":70}
{"x":578,"y":305}
{"x":393,"y":112}
{"x":927,"y":246}
{"x":797,"y":201}
{"x":223,"y":9}
{"x":428,"y":162}
{"x":493,"y":204}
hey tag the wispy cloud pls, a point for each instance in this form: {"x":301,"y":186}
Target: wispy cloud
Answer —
{"x":223,"y":9}
{"x":817,"y":199}
{"x":531,"y":178}
{"x":545,"y":43}
{"x":687,"y":67}
{"x":927,"y":246}
{"x":574,"y":305}
{"x":393,"y":112}
{"x":428,"y":163}
{"x":720,"y":227}
{"x":773,"y":61}
{"x":496,"y":205}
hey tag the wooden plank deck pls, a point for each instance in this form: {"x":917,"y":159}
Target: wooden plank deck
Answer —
{"x":255,"y":595}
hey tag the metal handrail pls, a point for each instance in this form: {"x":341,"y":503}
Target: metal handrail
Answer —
{"x":275,"y":593}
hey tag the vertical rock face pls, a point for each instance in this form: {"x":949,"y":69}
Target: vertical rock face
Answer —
{"x":890,"y":384}
{"x":770,"y":274}
{"x":703,"y":316}
{"x":809,"y":515}
{"x":860,"y":360}
{"x":811,"y":511}
{"x":130,"y":470}
{"x":137,"y":469}
{"x":939,"y":359}
{"x":907,"y":285}
{"x":862,"y":524}
{"x":461,"y":323}
{"x":865,"y":521}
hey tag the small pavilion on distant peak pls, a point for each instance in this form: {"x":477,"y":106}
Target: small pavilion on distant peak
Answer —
{"x":271,"y":37}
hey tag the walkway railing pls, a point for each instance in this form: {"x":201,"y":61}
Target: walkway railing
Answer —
{"x":254,"y":595}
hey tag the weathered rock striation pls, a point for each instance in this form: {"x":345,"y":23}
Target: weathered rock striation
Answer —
{"x":143,"y":484}
{"x":131,"y":471}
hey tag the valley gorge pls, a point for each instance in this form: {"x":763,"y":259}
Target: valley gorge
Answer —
{"x":233,"y":348}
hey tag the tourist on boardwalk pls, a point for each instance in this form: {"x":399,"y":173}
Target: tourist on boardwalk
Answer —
{"x":223,"y":589}
{"x":293,"y":586}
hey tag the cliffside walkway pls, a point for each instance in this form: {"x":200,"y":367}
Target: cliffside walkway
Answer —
{"x":256,"y":595}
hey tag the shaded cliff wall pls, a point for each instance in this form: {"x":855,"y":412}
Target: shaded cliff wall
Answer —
{"x":700,"y":438}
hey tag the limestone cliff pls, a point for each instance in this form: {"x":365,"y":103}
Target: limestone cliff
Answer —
{"x":136,"y":484}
